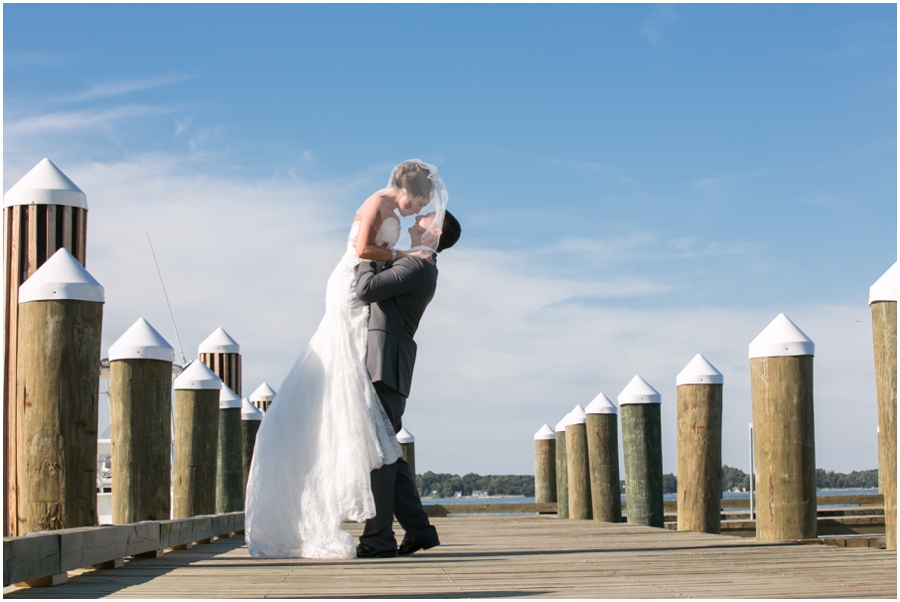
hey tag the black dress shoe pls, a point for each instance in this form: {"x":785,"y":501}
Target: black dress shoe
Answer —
{"x":411,"y":546}
{"x":364,"y":551}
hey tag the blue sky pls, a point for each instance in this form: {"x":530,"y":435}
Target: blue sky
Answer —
{"x":637,"y":184}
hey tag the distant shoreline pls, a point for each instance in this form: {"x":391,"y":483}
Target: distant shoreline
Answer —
{"x":728,"y":494}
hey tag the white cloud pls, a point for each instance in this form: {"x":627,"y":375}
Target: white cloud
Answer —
{"x":711,"y":182}
{"x":67,"y":121}
{"x":504,"y":347}
{"x":118,"y":88}
{"x":658,"y":23}
{"x":33,"y":59}
{"x":502,"y":367}
{"x":202,"y":136}
{"x":181,"y":125}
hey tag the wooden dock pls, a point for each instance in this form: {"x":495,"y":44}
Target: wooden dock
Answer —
{"x":509,"y":556}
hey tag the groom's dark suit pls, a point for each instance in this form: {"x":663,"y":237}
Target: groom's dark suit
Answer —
{"x":398,"y":296}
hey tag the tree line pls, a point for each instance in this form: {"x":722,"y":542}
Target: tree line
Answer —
{"x":433,"y":484}
{"x":735,"y":479}
{"x":446,"y":485}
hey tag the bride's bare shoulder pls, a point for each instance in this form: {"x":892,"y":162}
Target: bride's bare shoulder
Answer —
{"x":378,"y":204}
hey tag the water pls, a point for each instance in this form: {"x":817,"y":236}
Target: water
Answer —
{"x":456,"y":501}
{"x":728,"y":495}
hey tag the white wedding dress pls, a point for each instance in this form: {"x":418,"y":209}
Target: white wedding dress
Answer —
{"x":323,"y":434}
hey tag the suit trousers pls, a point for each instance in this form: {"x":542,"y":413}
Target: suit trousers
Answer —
{"x":394,"y":490}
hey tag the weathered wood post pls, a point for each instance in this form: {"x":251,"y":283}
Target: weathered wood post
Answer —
{"x":408,"y":447}
{"x":781,"y":390}
{"x":883,"y":300}
{"x":140,"y":412}
{"x":42,"y":213}
{"x":60,"y":318}
{"x":562,"y":470}
{"x":639,"y":405}
{"x":263,"y":396}
{"x":229,"y":465}
{"x":251,"y":418}
{"x":699,"y":387}
{"x":577,"y":464}
{"x":603,"y":458}
{"x":222,"y":355}
{"x":545,"y":465}
{"x":196,"y":435}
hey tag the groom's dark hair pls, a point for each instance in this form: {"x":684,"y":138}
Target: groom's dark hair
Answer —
{"x":450,"y":231}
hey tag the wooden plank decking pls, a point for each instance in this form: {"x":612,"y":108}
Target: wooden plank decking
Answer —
{"x":521,"y":556}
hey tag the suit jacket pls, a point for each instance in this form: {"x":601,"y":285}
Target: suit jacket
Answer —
{"x":398,"y":296}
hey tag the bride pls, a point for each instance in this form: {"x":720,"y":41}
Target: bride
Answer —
{"x":326,"y":430}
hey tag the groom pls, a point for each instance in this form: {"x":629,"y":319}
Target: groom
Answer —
{"x":398,"y":296}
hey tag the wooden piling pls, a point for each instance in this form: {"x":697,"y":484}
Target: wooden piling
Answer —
{"x":57,"y":389}
{"x":781,"y":390}
{"x":229,"y":465}
{"x":562,"y":471}
{"x":639,"y":406}
{"x":263,"y":396}
{"x":251,"y":418}
{"x":408,"y":447}
{"x":545,"y":465}
{"x":579,"y":476}
{"x":699,"y":447}
{"x":883,"y":301}
{"x":222,"y":355}
{"x":42,"y":213}
{"x":196,"y":436}
{"x":601,"y":416}
{"x":140,"y":408}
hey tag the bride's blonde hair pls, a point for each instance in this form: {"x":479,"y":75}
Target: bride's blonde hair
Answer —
{"x":413,"y":176}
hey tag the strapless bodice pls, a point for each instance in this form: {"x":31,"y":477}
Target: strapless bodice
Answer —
{"x":388,"y":233}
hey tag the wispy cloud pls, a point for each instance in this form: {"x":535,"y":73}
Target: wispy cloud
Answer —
{"x":645,"y":247}
{"x":714,"y":181}
{"x":75,"y":120}
{"x":33,"y":59}
{"x":119,"y":88}
{"x":659,"y":22}
{"x":202,"y":136}
{"x":863,"y":40}
{"x":181,"y":125}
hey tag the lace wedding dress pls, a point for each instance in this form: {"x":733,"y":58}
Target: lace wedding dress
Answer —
{"x":323,"y":434}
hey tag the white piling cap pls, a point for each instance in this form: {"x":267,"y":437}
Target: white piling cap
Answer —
{"x":61,"y":277}
{"x":545,"y":432}
{"x":404,"y":436}
{"x":699,"y":372}
{"x":141,"y":342}
{"x":781,"y":338}
{"x":263,"y":393}
{"x":45,"y":184}
{"x":228,"y":399}
{"x":885,"y":288}
{"x":197,"y":376}
{"x":250,"y":411}
{"x":219,"y":342}
{"x":639,"y":391}
{"x":576,"y":416}
{"x":601,"y":405}
{"x":561,"y":425}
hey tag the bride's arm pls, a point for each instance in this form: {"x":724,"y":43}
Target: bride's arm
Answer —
{"x":370,"y":220}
